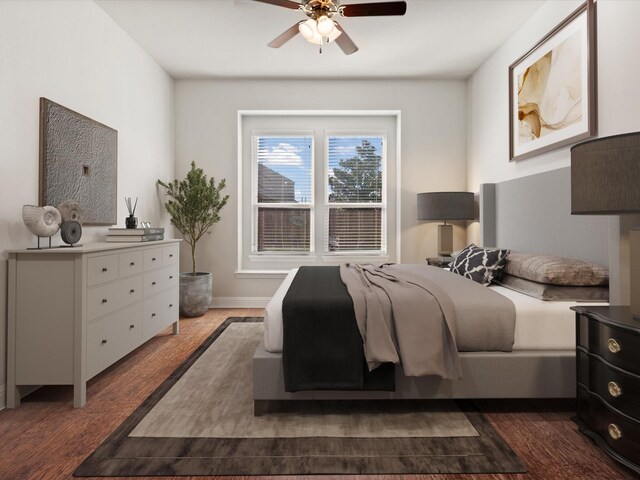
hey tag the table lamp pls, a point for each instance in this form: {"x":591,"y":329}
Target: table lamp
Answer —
{"x":605,"y":180}
{"x":445,"y":206}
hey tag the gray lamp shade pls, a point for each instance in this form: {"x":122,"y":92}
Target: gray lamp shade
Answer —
{"x":605,"y":175}
{"x":446,"y":206}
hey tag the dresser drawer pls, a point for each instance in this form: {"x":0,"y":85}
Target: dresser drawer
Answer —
{"x":112,"y":337}
{"x":170,"y":255}
{"x":620,"y":432}
{"x":617,"y":346}
{"x":621,"y":390}
{"x":159,"y":280}
{"x":152,"y":258}
{"x":129,"y":263}
{"x":105,"y":299}
{"x":159,"y":312}
{"x":102,"y":269}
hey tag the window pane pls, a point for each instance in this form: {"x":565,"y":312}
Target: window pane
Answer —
{"x":355,"y":229}
{"x":284,"y":169}
{"x":284,"y":230}
{"x":355,"y":169}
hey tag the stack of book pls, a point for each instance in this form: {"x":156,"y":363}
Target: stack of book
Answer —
{"x":135,"y":234}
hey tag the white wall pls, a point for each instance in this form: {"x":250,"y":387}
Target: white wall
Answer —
{"x":618,"y":41}
{"x":433,"y":153}
{"x":75,"y":55}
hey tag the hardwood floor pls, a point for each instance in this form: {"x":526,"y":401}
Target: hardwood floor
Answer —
{"x":46,"y":438}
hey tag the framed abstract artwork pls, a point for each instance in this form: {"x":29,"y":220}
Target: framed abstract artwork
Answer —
{"x":78,"y":161}
{"x":552,"y":88}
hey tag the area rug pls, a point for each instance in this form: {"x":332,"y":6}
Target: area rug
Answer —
{"x":200,"y":422}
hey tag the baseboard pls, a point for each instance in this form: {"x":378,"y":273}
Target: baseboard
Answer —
{"x":239,"y":302}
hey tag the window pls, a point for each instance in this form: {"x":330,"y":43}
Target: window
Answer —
{"x":354,"y":205}
{"x":283,"y":194}
{"x":356,"y":197}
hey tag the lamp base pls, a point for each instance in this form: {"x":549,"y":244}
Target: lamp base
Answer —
{"x":445,"y":240}
{"x":634,"y":250}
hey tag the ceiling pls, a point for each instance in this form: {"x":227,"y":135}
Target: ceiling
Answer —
{"x":228,"y":38}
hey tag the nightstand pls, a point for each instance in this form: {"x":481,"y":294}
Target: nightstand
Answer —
{"x":442,"y":262}
{"x":608,"y":376}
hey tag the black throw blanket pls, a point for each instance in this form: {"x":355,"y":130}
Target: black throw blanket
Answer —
{"x":322,"y":347}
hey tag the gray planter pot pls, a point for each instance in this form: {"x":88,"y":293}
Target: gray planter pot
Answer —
{"x":195,"y":293}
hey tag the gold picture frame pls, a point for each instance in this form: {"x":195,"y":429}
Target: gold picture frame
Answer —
{"x":553,"y":90}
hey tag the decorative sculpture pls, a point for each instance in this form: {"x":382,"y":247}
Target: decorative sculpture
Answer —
{"x":41,"y":221}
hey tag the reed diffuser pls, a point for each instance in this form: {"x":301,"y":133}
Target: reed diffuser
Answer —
{"x":131,"y":221}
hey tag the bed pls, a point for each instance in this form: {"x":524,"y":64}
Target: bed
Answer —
{"x":542,"y":361}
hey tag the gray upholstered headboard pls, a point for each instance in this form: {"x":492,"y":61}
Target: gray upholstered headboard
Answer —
{"x":533,"y":214}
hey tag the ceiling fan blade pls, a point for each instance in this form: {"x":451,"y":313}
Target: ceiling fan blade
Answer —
{"x":281,"y":3}
{"x":374,"y":9}
{"x":284,"y":37}
{"x":344,"y":41}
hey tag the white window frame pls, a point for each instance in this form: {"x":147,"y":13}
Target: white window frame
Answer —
{"x":302,"y":206}
{"x":280,"y":273}
{"x":327,"y":205}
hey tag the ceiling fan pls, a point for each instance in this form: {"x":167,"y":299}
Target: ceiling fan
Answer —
{"x":320,"y":28}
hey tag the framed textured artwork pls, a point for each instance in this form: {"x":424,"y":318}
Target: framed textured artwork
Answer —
{"x":552,"y":88}
{"x":78,"y":161}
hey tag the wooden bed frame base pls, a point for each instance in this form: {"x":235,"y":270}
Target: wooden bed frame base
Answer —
{"x":519,"y":374}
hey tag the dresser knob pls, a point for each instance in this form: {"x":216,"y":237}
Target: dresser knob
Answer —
{"x":132,"y":264}
{"x":132,"y":291}
{"x":104,"y":341}
{"x":132,"y":326}
{"x":171,"y":255}
{"x":153,"y":259}
{"x":170,"y":277}
{"x":614,"y":431}
{"x":105,"y":269}
{"x":104,"y":300}
{"x":615,"y":390}
{"x":153,"y":315}
{"x":153,"y":283}
{"x":171,"y":305}
{"x":614,"y":346}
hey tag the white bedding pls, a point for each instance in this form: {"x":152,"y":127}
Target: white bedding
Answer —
{"x":540,"y":325}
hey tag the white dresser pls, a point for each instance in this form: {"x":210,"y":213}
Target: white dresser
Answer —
{"x":72,"y":312}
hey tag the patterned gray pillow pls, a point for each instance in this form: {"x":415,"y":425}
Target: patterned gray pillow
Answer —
{"x":556,"y":270}
{"x":479,"y":264}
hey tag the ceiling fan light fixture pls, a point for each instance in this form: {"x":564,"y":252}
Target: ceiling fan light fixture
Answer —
{"x":325,"y":26}
{"x":308,"y":29}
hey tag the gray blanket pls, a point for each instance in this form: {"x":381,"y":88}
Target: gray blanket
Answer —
{"x":405,"y":313}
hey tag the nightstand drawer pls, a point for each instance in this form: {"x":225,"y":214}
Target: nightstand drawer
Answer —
{"x":619,"y":389}
{"x":618,"y":431}
{"x":617,"y":346}
{"x":102,"y":269}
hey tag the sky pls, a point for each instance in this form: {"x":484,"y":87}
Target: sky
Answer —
{"x":292,"y":157}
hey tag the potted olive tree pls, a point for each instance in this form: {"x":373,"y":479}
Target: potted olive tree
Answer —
{"x":194,"y":206}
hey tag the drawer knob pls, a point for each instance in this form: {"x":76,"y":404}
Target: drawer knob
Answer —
{"x":171,"y":305}
{"x":171,"y":255}
{"x":104,"y":341}
{"x":153,"y":315}
{"x":132,"y":264}
{"x":104,"y":300}
{"x":132,"y":291}
{"x":153,"y":259}
{"x":170,"y":277}
{"x":614,"y":431}
{"x":105,"y":269}
{"x":615,"y":390}
{"x":153,"y":283}
{"x":614,"y":346}
{"x":132,"y":326}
